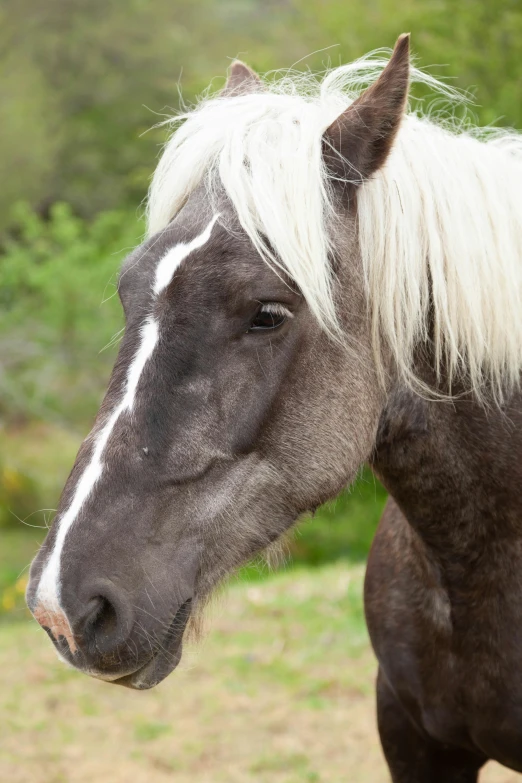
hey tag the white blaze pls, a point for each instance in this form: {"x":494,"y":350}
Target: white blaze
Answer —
{"x":49,"y":587}
{"x":171,"y":260}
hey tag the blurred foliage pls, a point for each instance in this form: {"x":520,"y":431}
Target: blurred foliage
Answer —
{"x":342,"y":528}
{"x":19,"y":491}
{"x":58,"y":309}
{"x":81,"y":84}
{"x":82,"y":81}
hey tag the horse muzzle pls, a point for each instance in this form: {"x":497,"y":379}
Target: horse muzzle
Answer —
{"x":108,"y":637}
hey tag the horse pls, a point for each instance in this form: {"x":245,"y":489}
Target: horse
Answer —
{"x":330,"y":277}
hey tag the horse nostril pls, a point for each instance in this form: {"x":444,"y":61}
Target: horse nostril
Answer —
{"x":106,"y":620}
{"x":102,"y":619}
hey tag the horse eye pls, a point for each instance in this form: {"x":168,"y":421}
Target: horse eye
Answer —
{"x":268,"y":317}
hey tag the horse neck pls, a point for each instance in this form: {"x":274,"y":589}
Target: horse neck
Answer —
{"x":455,"y":470}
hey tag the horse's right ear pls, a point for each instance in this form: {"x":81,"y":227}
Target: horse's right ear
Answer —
{"x":241,"y":80}
{"x":358,"y":142}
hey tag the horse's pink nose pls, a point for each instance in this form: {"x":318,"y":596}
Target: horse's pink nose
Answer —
{"x":56,"y":624}
{"x":95,"y":626}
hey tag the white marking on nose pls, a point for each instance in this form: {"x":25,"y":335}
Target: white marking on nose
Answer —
{"x":48,"y":597}
{"x":48,"y":588}
{"x":173,"y":258}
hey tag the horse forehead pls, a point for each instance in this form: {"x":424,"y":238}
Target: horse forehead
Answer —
{"x":142,"y":261}
{"x":225,"y":265}
{"x":193,"y":263}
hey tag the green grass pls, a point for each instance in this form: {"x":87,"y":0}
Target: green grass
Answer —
{"x":281,"y":691}
{"x":145,"y":731}
{"x":282,"y":656}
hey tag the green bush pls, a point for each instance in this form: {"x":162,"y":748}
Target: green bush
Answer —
{"x":58,"y":310}
{"x":81,"y":82}
{"x":19,"y":495}
{"x":342,"y":528}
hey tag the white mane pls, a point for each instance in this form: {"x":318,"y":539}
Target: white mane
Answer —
{"x":440,"y":225}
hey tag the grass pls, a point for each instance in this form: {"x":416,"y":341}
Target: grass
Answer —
{"x":281,"y":691}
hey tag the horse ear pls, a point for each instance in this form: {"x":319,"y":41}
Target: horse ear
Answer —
{"x":357,"y":144}
{"x":241,"y":80}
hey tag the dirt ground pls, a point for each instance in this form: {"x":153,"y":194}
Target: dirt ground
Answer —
{"x":280,"y":691}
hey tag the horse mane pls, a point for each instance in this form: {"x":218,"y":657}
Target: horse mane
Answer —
{"x":439,"y":226}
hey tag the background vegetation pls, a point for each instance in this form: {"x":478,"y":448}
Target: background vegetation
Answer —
{"x":283,"y":691}
{"x":82,"y":85}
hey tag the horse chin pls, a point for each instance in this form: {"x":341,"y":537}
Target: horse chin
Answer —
{"x":153,"y":672}
{"x":166,"y":657}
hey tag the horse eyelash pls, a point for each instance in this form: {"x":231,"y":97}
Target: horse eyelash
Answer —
{"x":276,"y":308}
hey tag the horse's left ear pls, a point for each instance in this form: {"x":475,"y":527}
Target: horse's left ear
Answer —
{"x":241,"y":80}
{"x":358,"y":142}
